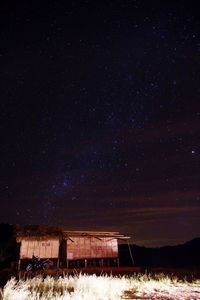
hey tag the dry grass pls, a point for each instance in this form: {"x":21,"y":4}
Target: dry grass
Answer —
{"x":92,"y":287}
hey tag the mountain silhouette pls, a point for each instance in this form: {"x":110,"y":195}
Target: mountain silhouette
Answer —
{"x":184,"y":255}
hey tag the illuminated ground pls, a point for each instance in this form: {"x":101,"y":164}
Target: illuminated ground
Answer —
{"x":92,"y":287}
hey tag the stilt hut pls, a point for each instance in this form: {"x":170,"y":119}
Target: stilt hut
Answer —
{"x":40,"y":241}
{"x":92,"y":248}
{"x":69,"y":248}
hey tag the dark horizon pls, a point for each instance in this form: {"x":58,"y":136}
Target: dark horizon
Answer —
{"x":100,"y":117}
{"x":10,"y":230}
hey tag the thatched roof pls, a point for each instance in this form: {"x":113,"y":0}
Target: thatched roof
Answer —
{"x":49,"y":232}
{"x":36,"y":231}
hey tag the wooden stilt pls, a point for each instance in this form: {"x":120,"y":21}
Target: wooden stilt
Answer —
{"x":85,"y":262}
{"x":131,"y":255}
{"x":19,"y":265}
{"x":118,"y":262}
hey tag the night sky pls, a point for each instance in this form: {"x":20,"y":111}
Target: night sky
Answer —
{"x":100,"y":116}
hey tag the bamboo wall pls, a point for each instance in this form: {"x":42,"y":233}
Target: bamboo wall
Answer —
{"x":91,"y":247}
{"x":41,"y":248}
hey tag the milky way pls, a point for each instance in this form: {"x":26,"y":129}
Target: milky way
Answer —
{"x":100,"y":116}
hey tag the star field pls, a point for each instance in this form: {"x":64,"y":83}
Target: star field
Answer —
{"x":100,"y":116}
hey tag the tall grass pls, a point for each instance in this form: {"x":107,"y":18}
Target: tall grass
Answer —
{"x":92,"y":287}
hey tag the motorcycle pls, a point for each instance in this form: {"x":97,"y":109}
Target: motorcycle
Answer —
{"x":37,"y":264}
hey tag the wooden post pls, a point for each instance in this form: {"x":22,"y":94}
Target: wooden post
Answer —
{"x":131,"y":255}
{"x":85,"y":263}
{"x":19,"y":265}
{"x":58,"y":263}
{"x":118,"y":262}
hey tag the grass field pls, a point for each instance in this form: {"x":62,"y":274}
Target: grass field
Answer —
{"x":92,"y":287}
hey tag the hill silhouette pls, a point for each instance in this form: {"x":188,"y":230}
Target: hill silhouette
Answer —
{"x":184,"y":255}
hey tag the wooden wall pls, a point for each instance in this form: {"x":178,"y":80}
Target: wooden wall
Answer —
{"x":41,"y":248}
{"x":91,"y":247}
